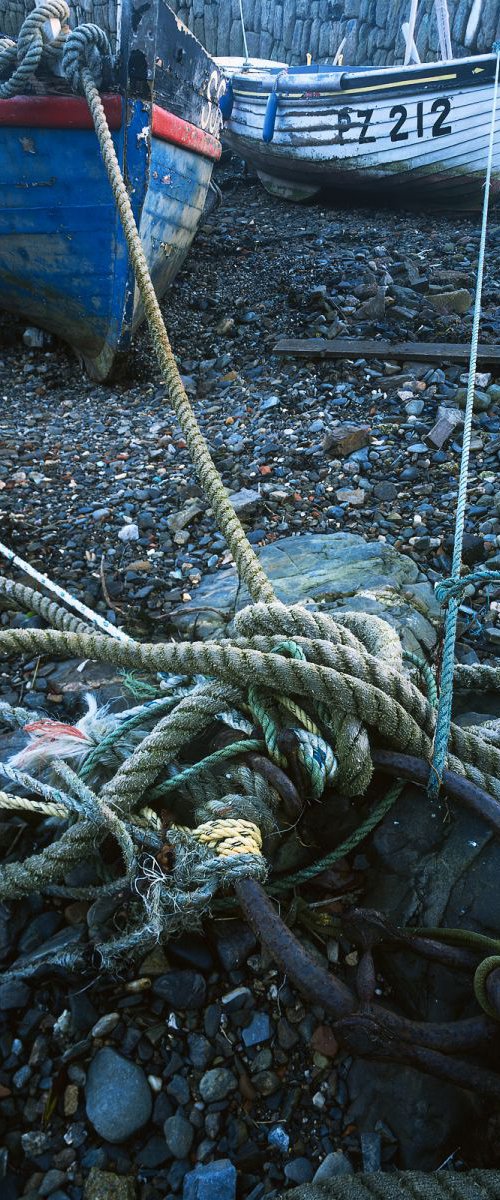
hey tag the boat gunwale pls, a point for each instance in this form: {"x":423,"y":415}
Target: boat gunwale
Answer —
{"x":72,"y":113}
{"x":260,"y":82}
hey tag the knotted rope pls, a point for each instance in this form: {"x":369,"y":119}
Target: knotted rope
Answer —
{"x":341,"y":680}
{"x":20,"y":61}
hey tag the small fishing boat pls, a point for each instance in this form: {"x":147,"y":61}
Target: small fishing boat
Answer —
{"x":412,"y":131}
{"x":64,"y":264}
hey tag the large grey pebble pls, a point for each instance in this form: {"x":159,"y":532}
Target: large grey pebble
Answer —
{"x":334,"y":1164}
{"x":118,"y":1098}
{"x":217,"y":1084}
{"x":179,"y":1135}
{"x":299,"y":1170}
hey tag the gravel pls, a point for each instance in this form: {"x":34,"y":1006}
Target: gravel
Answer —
{"x":101,"y":470}
{"x":202,"y":1066}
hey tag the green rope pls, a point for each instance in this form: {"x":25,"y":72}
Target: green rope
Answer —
{"x":263,"y":715}
{"x":155,"y":709}
{"x":140,"y":689}
{"x":188,"y":774}
{"x":446,"y":693}
{"x":427,"y":675}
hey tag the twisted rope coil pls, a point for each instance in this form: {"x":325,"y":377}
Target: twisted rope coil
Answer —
{"x":348,"y":671}
{"x":20,"y":61}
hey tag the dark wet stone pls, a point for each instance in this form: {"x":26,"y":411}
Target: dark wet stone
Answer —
{"x":179,"y":1135}
{"x":200,"y":1052}
{"x":335,"y":1163}
{"x":299,"y":1170}
{"x":211,"y":1181}
{"x":217,"y":1084}
{"x":181,"y":989}
{"x":178,"y":1089}
{"x":13,"y":994}
{"x":259,"y":1030}
{"x":234,"y":941}
{"x":191,"y":950}
{"x":83,"y":1013}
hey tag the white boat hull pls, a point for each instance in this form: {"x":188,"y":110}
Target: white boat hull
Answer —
{"x":413,"y":132}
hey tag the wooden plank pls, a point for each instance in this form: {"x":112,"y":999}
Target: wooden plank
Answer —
{"x":431,"y":352}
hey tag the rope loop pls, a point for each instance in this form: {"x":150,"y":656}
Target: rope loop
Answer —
{"x":8,"y":56}
{"x":18,"y":63}
{"x":318,"y":760}
{"x":492,"y":963}
{"x":87,"y":46}
{"x":454,"y":589}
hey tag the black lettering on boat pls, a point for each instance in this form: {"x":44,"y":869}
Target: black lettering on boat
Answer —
{"x":343,"y":123}
{"x":367,"y":114}
{"x":420,"y":118}
{"x":443,"y":108}
{"x":401,"y":113}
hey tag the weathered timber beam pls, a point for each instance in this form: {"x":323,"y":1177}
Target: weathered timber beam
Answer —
{"x":431,"y":352}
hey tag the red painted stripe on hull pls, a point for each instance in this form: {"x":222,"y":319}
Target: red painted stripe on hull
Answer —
{"x":169,"y":128}
{"x":57,"y":112}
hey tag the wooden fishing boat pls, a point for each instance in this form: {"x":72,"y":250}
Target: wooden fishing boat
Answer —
{"x":404,"y":133}
{"x":64,"y":265}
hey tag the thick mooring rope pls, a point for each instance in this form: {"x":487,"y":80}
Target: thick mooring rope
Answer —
{"x":337,"y":682}
{"x":404,"y":1185}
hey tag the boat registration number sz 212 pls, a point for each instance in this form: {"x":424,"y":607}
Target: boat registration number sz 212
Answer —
{"x":421,"y":120}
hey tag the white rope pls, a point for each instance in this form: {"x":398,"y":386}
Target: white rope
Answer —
{"x":409,"y":34}
{"x":443,"y":720}
{"x":68,"y":600}
{"x":443,"y":24}
{"x":473,"y":22}
{"x":244,"y":32}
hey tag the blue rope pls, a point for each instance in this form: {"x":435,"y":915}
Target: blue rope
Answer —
{"x":456,"y":588}
{"x":443,"y":721}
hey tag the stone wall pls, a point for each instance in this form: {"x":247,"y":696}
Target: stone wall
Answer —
{"x":288,"y":29}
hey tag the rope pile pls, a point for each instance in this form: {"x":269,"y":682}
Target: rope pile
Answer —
{"x":311,"y":693}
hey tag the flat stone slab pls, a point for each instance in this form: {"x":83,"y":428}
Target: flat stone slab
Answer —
{"x":329,"y":572}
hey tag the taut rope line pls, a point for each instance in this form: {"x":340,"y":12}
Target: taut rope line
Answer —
{"x":450,"y":631}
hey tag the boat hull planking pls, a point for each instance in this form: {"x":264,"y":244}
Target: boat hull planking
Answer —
{"x":63,"y":259}
{"x":401,"y":136}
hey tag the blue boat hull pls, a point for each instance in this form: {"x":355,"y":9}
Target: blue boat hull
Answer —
{"x":63,"y":259}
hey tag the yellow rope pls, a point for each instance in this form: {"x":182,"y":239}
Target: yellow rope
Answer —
{"x":229,"y":837}
{"x":301,"y":715}
{"x":148,"y":816}
{"x":35,"y":806}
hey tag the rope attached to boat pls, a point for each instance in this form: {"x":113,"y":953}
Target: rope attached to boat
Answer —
{"x":341,"y":680}
{"x":454,"y":591}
